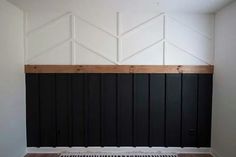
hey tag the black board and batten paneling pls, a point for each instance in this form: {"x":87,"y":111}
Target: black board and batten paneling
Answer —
{"x":189,"y":109}
{"x":47,"y":110}
{"x":32,"y":110}
{"x":78,"y":109}
{"x":141,"y":109}
{"x":109,"y":108}
{"x":93,"y":110}
{"x":125,"y":110}
{"x":63,"y":109}
{"x":157,"y":109}
{"x":172,"y":110}
{"x":204,"y":110}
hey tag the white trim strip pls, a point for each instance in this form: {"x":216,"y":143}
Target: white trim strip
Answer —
{"x":73,"y":36}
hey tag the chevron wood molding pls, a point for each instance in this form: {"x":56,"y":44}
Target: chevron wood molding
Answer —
{"x":120,"y":48}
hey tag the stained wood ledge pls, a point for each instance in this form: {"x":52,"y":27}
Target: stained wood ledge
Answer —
{"x":199,"y":69}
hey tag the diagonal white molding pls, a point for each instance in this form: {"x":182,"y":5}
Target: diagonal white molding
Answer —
{"x":49,"y":49}
{"x":97,"y":53}
{"x":95,"y":26}
{"x":141,"y":24}
{"x":142,"y":50}
{"x":190,"y":28}
{"x":49,"y":23}
{"x":187,"y":52}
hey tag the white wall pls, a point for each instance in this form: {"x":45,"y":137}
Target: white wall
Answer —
{"x":224,"y":101}
{"x":12,"y":90}
{"x":85,"y":36}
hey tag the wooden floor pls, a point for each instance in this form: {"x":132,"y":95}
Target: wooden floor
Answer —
{"x":55,"y":155}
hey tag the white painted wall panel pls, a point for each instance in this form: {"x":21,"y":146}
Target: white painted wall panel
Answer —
{"x":189,"y":40}
{"x":150,"y":56}
{"x":133,"y":19}
{"x":87,"y":57}
{"x":201,"y":23}
{"x":105,"y":19}
{"x":124,"y":39}
{"x":176,"y":56}
{"x":143,"y":37}
{"x":95,"y":39}
{"x":52,"y":35}
{"x":59,"y":55}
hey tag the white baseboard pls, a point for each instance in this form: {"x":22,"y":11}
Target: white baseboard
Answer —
{"x":215,"y":153}
{"x":58,"y":150}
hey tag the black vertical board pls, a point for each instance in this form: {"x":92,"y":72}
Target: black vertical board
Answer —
{"x":141,"y":109}
{"x":108,"y":109}
{"x":47,"y":110}
{"x":94,"y":109}
{"x":157,"y":109}
{"x":173,"y":110}
{"x":189,"y":109}
{"x":78,"y":109}
{"x":32,"y":110}
{"x":204,"y":110}
{"x":62,"y":102}
{"x":125,"y":113}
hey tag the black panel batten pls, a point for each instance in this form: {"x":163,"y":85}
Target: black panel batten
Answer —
{"x":48,"y":133}
{"x":157,"y":109}
{"x":171,"y":110}
{"x":189,"y":110}
{"x":141,"y":96}
{"x":78,"y":109}
{"x":125,"y":109}
{"x":204,"y":110}
{"x":32,"y":110}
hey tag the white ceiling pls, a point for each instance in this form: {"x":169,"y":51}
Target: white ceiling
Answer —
{"x":193,"y":6}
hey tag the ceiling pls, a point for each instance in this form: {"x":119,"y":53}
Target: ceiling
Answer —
{"x":193,"y":6}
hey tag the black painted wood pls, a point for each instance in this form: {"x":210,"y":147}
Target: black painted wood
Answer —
{"x":141,"y":110}
{"x":189,"y":110}
{"x":63,"y":109}
{"x":173,"y":110}
{"x":109,"y":123}
{"x":48,"y":133}
{"x":32,"y":110}
{"x":125,"y":109}
{"x":157,"y":109}
{"x":94,"y":110}
{"x":204,"y":110}
{"x":118,"y":110}
{"x":78,"y":109}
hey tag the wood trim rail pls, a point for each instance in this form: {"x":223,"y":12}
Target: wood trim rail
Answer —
{"x":199,"y":69}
